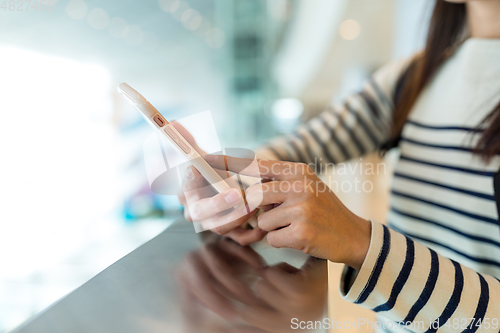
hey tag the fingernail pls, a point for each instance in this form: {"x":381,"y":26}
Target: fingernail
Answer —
{"x":233,"y":196}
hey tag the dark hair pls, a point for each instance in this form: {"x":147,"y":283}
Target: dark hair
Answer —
{"x":446,"y":32}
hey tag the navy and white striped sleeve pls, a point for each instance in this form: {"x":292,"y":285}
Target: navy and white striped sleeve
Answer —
{"x":358,"y":126}
{"x":410,"y":284}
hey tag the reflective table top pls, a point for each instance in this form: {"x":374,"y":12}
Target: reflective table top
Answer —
{"x":182,"y":281}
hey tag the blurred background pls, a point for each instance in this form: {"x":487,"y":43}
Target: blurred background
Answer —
{"x":74,"y":196}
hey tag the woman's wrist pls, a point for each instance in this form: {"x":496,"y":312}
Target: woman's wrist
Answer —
{"x":360,"y":242}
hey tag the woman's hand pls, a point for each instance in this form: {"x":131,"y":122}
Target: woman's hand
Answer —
{"x":211,"y":208}
{"x":308,"y":215}
{"x":203,"y":204}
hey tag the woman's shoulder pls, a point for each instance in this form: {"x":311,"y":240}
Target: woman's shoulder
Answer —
{"x":390,"y":75}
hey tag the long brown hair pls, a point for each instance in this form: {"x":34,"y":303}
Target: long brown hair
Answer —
{"x":446,"y":32}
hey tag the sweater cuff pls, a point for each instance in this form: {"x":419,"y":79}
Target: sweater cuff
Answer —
{"x":355,"y":285}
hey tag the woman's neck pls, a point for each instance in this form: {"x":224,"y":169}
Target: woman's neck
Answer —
{"x":484,"y":18}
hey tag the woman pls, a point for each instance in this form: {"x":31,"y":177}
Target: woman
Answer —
{"x":436,"y":267}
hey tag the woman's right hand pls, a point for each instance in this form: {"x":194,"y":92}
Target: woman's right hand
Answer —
{"x":203,"y":204}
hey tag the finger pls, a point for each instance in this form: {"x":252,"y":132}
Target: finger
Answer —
{"x":193,"y":180}
{"x":226,"y":221}
{"x":194,"y":187}
{"x":206,"y":208}
{"x":265,"y":194}
{"x":181,"y":197}
{"x":275,"y":170}
{"x":282,"y":238}
{"x":275,"y":218}
{"x":187,"y":216}
{"x":246,"y":236}
{"x":183,"y":202}
{"x":269,"y":206}
{"x":265,"y":208}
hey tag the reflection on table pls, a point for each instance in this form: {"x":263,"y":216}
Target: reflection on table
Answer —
{"x":186,"y":282}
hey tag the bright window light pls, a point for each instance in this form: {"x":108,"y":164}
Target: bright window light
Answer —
{"x":287,"y":109}
{"x":57,"y":173}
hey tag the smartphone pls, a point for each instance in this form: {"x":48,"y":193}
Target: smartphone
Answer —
{"x":159,"y":122}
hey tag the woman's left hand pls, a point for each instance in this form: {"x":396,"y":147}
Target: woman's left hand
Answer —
{"x":307,"y":216}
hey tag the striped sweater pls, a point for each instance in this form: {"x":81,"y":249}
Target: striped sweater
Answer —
{"x":436,"y":266}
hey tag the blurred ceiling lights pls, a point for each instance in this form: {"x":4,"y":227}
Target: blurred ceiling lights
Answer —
{"x":215,"y":38}
{"x":76,"y":9}
{"x":193,"y":21}
{"x":286,"y":114}
{"x":287,"y":109}
{"x":116,"y":27}
{"x":349,"y":29}
{"x":98,"y":18}
{"x":134,"y":35}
